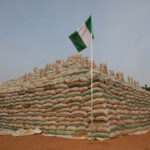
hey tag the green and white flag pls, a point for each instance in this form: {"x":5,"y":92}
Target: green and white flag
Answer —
{"x":82,"y":37}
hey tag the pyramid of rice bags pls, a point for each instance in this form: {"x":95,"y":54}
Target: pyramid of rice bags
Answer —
{"x":57,"y":99}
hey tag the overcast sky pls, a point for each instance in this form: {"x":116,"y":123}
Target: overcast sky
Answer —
{"x":35,"y":32}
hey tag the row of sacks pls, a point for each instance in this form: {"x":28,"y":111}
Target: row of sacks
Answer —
{"x":118,"y":117}
{"x":115,"y":113}
{"x":106,"y":81}
{"x":99,"y":115}
{"x":63,"y":124}
{"x":62,"y":107}
{"x":61,"y":128}
{"x":103,"y":110}
{"x":70,"y":116}
{"x":122,"y":87}
{"x":59,"y":107}
{"x":61,"y":103}
{"x":60,"y":90}
{"x":126,"y":124}
{"x":36,"y":77}
{"x":100,"y":123}
{"x":99,"y":128}
{"x":105,"y":132}
{"x":45,"y":121}
{"x":51,"y":125}
{"x":103,"y":87}
{"x":121,"y":131}
{"x":32,"y":82}
{"x":72,"y":92}
{"x":112,"y":124}
{"x":114,"y":128}
{"x":32,"y":76}
{"x":36,"y":118}
{"x":46,"y":89}
{"x":114,"y":99}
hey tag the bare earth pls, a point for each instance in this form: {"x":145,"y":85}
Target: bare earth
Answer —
{"x":39,"y":142}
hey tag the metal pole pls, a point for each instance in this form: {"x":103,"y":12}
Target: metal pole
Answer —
{"x":91,"y":86}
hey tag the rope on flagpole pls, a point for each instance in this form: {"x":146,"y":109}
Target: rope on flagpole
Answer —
{"x":91,"y":86}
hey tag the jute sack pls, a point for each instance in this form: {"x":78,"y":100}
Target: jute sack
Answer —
{"x":96,"y":84}
{"x":100,"y":106}
{"x":75,"y":80}
{"x":101,"y":118}
{"x":86,"y":108}
{"x":100,"y":135}
{"x":71,"y":128}
{"x":52,"y":92}
{"x":59,"y":90}
{"x":81,"y":128}
{"x":79,"y":123}
{"x":86,"y":98}
{"x":77,"y":99}
{"x":61,"y":119}
{"x":61,"y":128}
{"x":49,"y":105}
{"x":83,"y":79}
{"x":65,"y":123}
{"x":75,"y":89}
{"x":66,"y":91}
{"x":77,"y":119}
{"x":61,"y":86}
{"x":53,"y":122}
{"x":63,"y":110}
{"x":52,"y":127}
{"x":115,"y":134}
{"x":46,"y":118}
{"x":63,"y":114}
{"x":45,"y":127}
{"x":53,"y":118}
{"x":79,"y":114}
{"x":103,"y":129}
{"x":59,"y":106}
{"x":67,"y":81}
{"x":100,"y":112}
{"x":58,"y":100}
{"x":96,"y":101}
{"x":83,"y":89}
{"x":74,"y":108}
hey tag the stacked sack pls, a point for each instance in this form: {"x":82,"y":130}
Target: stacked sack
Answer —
{"x":57,"y":99}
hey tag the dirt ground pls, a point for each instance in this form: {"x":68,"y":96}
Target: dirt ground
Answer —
{"x":39,"y":142}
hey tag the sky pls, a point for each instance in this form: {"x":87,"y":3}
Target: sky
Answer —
{"x":35,"y":33}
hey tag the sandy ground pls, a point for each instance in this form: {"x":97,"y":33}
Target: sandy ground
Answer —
{"x":39,"y":142}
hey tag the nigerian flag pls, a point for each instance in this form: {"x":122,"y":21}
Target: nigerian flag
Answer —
{"x":81,"y":38}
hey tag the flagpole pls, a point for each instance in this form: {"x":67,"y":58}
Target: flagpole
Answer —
{"x":91,"y":86}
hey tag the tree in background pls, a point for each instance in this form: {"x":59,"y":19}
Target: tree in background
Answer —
{"x":146,"y":87}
